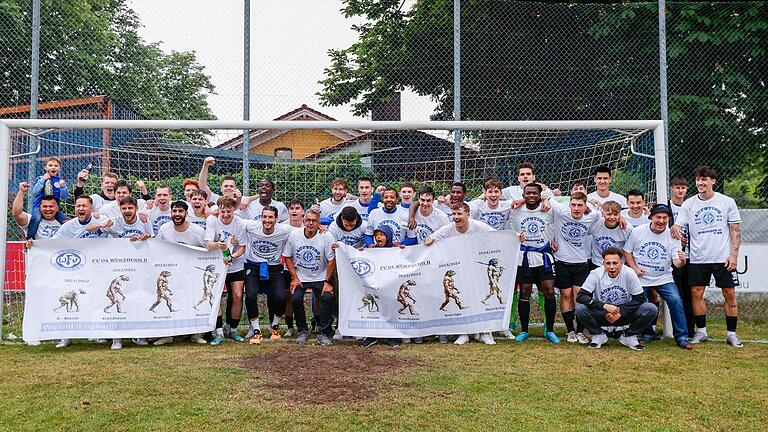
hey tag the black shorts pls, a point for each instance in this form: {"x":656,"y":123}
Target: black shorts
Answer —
{"x":532,"y":275}
{"x":592,"y":265}
{"x":237,"y":276}
{"x":567,"y":275}
{"x":701,"y":274}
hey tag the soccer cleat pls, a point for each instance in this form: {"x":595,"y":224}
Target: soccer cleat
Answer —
{"x":275,"y":334}
{"x":235,"y":336}
{"x":699,"y":337}
{"x":302,"y":338}
{"x":117,"y":344}
{"x":734,"y":341}
{"x":631,"y":342}
{"x":522,"y":336}
{"x":368,"y":342}
{"x":198,"y":339}
{"x":418,"y":340}
{"x":256,"y":339}
{"x":140,"y":341}
{"x":571,"y":337}
{"x":443,"y":339}
{"x":323,"y":339}
{"x":684,"y":344}
{"x":487,"y":339}
{"x":251,"y":331}
{"x":64,"y":343}
{"x":507,"y":333}
{"x":218,"y":340}
{"x":552,"y":337}
{"x":582,"y":338}
{"x":337,"y":336}
{"x":291,"y":332}
{"x":598,"y":341}
{"x":163,"y":341}
{"x":461,"y":340}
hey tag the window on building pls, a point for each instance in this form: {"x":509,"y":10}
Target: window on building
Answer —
{"x":283,"y":153}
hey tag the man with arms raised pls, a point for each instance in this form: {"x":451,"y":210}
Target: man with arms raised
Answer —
{"x":107,"y":193}
{"x":536,"y":261}
{"x":228,"y":183}
{"x":184,"y":232}
{"x":714,"y":239}
{"x":461,"y":225}
{"x":612,"y":296}
{"x":651,"y":252}
{"x":124,"y":190}
{"x":311,"y":260}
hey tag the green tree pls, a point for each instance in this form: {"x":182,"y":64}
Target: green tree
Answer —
{"x":92,"y":47}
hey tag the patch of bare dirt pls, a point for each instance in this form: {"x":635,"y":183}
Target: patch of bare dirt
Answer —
{"x":322,"y":375}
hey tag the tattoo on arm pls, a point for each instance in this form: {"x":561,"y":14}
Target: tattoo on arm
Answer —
{"x":735,"y":234}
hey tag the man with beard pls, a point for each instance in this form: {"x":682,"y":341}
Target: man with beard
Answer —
{"x":311,"y":261}
{"x":266,"y":189}
{"x":183,"y":232}
{"x":330,"y":207}
{"x":391,"y":215}
{"x":264,"y":271}
{"x":160,"y":213}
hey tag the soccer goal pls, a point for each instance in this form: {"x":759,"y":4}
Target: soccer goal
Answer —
{"x":302,"y":157}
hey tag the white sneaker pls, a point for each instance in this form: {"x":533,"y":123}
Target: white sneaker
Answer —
{"x":163,"y":341}
{"x":581,"y":338}
{"x":291,"y":332}
{"x":571,"y":337}
{"x":337,"y":336}
{"x":734,"y":341}
{"x":507,"y":334}
{"x":631,"y":342}
{"x":33,"y":343}
{"x":98,"y":340}
{"x":461,"y":340}
{"x":699,"y":337}
{"x":487,"y":339}
{"x":598,"y":340}
{"x":140,"y":341}
{"x":198,"y":339}
{"x":64,"y":343}
{"x":251,"y":332}
{"x":443,"y":339}
{"x":117,"y":344}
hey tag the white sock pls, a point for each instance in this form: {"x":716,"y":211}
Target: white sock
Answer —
{"x":219,"y":332}
{"x":730,"y":333}
{"x":703,"y":330}
{"x":276,"y":320}
{"x":254,"y":325}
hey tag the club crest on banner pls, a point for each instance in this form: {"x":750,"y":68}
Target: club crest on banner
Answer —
{"x":68,"y":260}
{"x":362,"y":266}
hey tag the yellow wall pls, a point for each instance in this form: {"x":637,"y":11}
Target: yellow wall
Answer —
{"x":302,"y":142}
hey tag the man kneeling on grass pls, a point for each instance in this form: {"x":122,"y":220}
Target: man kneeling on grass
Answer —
{"x":612,"y":296}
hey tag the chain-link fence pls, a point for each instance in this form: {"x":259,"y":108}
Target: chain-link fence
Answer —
{"x":389,"y":60}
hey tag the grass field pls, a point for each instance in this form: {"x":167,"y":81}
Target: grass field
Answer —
{"x":282,"y":386}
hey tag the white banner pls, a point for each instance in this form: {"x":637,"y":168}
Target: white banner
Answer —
{"x":105,"y":288}
{"x":458,"y":285}
{"x":752,"y":276}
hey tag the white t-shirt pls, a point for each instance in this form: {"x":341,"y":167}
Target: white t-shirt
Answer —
{"x":213,"y":197}
{"x":710,"y":240}
{"x":354,"y":238}
{"x":121,"y":229}
{"x":215,"y":230}
{"x":99,"y":202}
{"x":676,"y":211}
{"x":612,"y":196}
{"x":427,"y":225}
{"x":653,"y":253}
{"x":199,"y":221}
{"x":255,"y":208}
{"x":604,"y":238}
{"x":397,"y":220}
{"x":45,"y":230}
{"x":450,"y":230}
{"x":265,"y":247}
{"x":193,"y":236}
{"x":445,"y":208}
{"x":635,"y":221}
{"x":616,"y":291}
{"x":73,"y":229}
{"x":112,"y":208}
{"x":515,"y":192}
{"x":329,"y":209}
{"x":537,"y":227}
{"x":362,"y":209}
{"x":158,"y":217}
{"x":495,"y":218}
{"x":570,"y":234}
{"x":310,"y":256}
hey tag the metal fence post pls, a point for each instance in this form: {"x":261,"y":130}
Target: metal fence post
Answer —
{"x":457,"y":88}
{"x":246,"y":90}
{"x":34,"y":91}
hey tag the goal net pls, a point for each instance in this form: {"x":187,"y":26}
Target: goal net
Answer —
{"x":303,"y":157}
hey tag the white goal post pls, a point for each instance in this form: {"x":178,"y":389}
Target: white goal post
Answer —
{"x":659,"y":154}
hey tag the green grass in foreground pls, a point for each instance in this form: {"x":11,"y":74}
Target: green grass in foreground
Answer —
{"x":511,"y":386}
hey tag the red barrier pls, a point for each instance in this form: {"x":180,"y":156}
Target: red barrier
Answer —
{"x":14,"y":266}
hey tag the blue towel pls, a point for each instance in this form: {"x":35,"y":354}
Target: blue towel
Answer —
{"x":545,"y":250}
